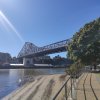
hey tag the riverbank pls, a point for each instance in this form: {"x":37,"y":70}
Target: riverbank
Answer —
{"x":44,"y":87}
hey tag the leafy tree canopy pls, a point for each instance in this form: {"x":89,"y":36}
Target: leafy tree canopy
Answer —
{"x":85,"y":44}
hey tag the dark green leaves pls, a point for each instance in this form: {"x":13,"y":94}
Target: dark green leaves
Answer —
{"x":86,"y":43}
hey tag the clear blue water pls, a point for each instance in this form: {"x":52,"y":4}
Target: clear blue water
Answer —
{"x":9,"y":79}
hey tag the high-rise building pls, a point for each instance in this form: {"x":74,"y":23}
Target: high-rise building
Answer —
{"x":5,"y":58}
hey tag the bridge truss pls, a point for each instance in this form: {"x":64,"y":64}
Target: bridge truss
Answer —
{"x":30,"y":50}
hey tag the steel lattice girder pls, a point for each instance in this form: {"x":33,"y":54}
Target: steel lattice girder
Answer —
{"x":29,"y":49}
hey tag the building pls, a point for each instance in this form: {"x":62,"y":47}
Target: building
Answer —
{"x":15,"y":60}
{"x":58,"y":60}
{"x":5,"y":58}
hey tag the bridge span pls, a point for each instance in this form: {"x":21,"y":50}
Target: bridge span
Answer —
{"x":31,"y":50}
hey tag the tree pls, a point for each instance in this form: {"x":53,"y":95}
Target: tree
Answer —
{"x":85,"y":45}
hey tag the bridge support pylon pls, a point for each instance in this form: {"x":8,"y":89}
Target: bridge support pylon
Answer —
{"x":28,"y":61}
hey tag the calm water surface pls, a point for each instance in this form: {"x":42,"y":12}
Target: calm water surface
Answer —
{"x":10,"y":79}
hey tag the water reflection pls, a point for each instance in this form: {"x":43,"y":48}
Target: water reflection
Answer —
{"x":10,"y":79}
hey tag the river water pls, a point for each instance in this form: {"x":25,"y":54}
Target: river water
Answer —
{"x":11,"y":79}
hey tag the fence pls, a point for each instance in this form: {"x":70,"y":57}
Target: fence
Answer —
{"x":68,"y":91}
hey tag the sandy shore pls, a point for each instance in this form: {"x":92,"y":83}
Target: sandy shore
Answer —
{"x":43,"y":87}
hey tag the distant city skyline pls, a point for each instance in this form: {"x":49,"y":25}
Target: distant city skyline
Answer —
{"x":42,"y":22}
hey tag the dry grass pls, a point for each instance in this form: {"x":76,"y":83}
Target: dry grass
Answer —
{"x":62,"y":77}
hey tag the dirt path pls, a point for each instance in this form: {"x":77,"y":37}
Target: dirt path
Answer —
{"x":88,"y":88}
{"x":96,"y":86}
{"x":80,"y":92}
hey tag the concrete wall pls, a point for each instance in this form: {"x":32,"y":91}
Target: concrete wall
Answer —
{"x":27,"y":61}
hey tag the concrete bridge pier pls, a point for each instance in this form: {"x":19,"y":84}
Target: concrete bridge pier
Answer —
{"x":27,"y":61}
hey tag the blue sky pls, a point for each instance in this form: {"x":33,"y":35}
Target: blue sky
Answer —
{"x":43,"y":21}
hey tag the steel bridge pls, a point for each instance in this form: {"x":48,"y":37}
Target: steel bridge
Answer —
{"x":31,"y":50}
